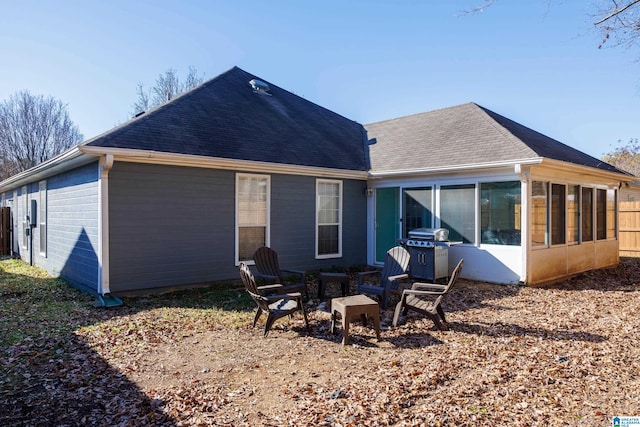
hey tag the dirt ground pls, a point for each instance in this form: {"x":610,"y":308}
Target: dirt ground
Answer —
{"x":567,"y":355}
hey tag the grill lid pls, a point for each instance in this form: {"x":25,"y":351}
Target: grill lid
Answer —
{"x":435,"y":234}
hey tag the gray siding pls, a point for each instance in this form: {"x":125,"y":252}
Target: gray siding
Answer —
{"x":72,"y":227}
{"x":172,"y":226}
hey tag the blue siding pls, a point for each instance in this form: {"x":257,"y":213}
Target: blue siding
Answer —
{"x":72,"y":227}
{"x":172,"y":226}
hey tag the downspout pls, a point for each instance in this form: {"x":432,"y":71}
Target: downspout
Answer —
{"x":105,"y":300}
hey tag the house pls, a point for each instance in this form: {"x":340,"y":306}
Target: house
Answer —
{"x":181,"y":194}
{"x":523,"y":207}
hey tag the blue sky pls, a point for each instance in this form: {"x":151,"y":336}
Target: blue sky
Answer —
{"x":536,"y":62}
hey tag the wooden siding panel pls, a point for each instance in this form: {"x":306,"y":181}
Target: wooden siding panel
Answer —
{"x":172,"y":226}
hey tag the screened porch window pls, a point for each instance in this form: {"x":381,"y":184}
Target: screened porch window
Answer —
{"x":601,"y":214}
{"x":573,"y":214}
{"x":539,"y":202}
{"x":457,"y":212}
{"x":328,"y":218}
{"x":252,"y":213}
{"x":558,"y":214}
{"x":587,"y":214}
{"x":500,"y":204}
{"x":611,"y":214}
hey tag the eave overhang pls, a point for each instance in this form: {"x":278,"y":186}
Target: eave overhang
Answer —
{"x":441,"y":170}
{"x":70,"y":159}
{"x":187,"y":160}
{"x":516,"y":165}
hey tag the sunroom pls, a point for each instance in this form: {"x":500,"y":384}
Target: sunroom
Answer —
{"x":515,"y":214}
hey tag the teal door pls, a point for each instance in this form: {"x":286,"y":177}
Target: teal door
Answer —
{"x":387,"y":220}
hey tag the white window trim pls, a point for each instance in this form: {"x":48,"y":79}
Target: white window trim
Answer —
{"x":317,"y":224}
{"x":240,"y":176}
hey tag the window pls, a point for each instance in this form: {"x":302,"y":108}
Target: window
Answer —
{"x":328,"y":218}
{"x":500,"y":213}
{"x":611,"y":214}
{"x":558,"y":214}
{"x":601,"y":214}
{"x":417,"y":209}
{"x":252,"y":213}
{"x":43,"y":217}
{"x":587,"y":214}
{"x":573,"y":214}
{"x":457,"y":212}
{"x":539,"y":201}
{"x":25,"y":212}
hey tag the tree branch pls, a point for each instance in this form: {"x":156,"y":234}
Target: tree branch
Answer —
{"x":616,"y":12}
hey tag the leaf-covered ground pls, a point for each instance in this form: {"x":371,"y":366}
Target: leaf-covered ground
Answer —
{"x":568,"y":355}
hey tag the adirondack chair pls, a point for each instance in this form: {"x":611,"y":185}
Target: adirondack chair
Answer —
{"x":266,"y":260}
{"x":396,"y":262}
{"x":426,"y":298}
{"x":276,"y":306}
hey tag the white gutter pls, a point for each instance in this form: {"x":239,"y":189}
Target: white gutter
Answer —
{"x":173,"y":159}
{"x":69,"y":159}
{"x":106,"y":163}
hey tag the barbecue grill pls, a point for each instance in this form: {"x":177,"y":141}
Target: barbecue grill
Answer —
{"x":429,"y":250}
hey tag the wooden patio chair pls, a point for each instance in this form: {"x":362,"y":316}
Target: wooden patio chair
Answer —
{"x":276,"y":306}
{"x":396,"y":262}
{"x":269,"y":270}
{"x":426,"y":298}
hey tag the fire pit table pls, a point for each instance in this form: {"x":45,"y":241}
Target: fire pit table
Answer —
{"x":352,"y":307}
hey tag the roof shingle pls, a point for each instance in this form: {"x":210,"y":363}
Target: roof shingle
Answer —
{"x":466,"y":134}
{"x":224,"y":117}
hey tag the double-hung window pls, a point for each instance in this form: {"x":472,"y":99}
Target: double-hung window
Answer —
{"x":328,"y":218}
{"x":252,"y":214}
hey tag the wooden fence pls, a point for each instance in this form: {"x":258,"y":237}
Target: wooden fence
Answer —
{"x":629,"y":227}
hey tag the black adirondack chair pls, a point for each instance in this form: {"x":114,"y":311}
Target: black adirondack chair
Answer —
{"x":266,"y":260}
{"x":276,"y":306}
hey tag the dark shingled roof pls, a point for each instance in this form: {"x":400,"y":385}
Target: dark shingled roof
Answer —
{"x":226,"y":118}
{"x":464,"y":135}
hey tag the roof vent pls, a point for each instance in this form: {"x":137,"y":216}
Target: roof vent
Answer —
{"x":259,"y":86}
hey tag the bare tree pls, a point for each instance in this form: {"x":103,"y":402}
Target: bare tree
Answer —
{"x":620,"y":22}
{"x":33,"y":129}
{"x":168,"y":85}
{"x":626,"y":157}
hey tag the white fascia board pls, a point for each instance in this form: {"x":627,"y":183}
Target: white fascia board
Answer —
{"x":162,"y":158}
{"x":454,"y":169}
{"x":70,"y":159}
{"x":587,"y":170}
